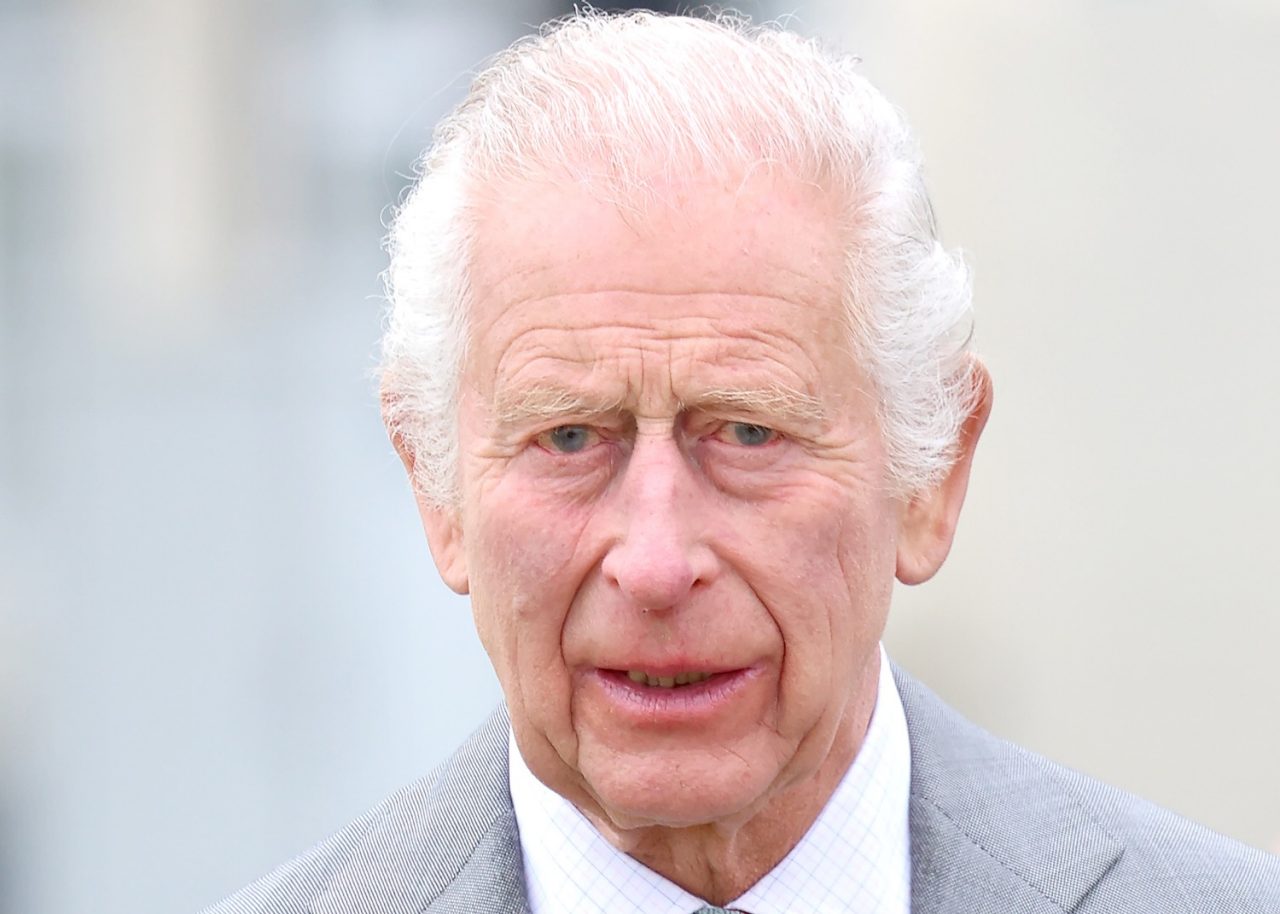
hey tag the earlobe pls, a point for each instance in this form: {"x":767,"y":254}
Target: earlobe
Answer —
{"x":441,"y":524}
{"x":929,"y":519}
{"x":444,"y":536}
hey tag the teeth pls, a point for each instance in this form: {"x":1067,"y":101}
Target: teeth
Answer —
{"x":667,"y":682}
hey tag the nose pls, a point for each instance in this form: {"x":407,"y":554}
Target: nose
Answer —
{"x":660,"y":553}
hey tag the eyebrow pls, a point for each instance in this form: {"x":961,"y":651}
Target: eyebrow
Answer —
{"x":771,"y":400}
{"x":546,"y":403}
{"x":542,"y":403}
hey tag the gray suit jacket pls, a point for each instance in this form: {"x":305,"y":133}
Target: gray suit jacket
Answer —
{"x":994,"y":830}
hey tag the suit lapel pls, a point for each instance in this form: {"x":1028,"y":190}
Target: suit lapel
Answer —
{"x":993,"y":828}
{"x":447,"y":845}
{"x":951,"y":873}
{"x":492,"y":878}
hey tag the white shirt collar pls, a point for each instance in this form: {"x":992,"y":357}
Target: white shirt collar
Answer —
{"x":854,"y":859}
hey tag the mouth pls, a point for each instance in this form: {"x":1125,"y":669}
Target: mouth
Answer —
{"x":675,"y":681}
{"x":671,"y":696}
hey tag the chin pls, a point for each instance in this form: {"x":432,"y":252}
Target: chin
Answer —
{"x":678,"y":796}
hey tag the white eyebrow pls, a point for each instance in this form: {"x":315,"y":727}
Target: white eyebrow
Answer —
{"x":773,"y":400}
{"x":541,"y":404}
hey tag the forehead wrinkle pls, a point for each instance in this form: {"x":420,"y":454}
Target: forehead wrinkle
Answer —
{"x":498,"y":300}
{"x":517,"y":353}
{"x":545,"y":339}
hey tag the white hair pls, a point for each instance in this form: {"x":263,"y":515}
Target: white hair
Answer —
{"x":614,"y":99}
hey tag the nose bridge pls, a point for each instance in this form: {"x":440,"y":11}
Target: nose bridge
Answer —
{"x":654,"y":475}
{"x":658,"y":555}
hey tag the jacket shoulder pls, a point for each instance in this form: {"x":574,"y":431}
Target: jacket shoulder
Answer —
{"x":432,"y":825}
{"x":290,"y":888}
{"x":1166,"y":855}
{"x":1078,"y":843}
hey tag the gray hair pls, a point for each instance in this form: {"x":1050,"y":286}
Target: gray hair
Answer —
{"x":609,"y":99}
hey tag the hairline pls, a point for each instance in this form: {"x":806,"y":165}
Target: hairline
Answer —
{"x":905,"y":297}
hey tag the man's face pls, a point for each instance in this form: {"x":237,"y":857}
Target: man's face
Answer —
{"x":675,"y":522}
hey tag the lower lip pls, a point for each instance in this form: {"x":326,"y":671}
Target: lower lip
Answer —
{"x":695,"y":703}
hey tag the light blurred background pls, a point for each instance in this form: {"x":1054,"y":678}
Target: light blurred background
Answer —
{"x":221,"y":636}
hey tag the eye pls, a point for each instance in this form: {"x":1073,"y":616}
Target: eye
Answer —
{"x":567,"y":439}
{"x":749,"y":434}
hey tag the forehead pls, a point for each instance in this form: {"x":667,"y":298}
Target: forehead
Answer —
{"x":759,"y":234}
{"x":694,"y":271}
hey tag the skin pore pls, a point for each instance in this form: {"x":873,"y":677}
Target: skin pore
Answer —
{"x":671,"y":467}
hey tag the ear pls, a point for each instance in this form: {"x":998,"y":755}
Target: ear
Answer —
{"x":443,"y":525}
{"x":444,"y":536}
{"x":929,"y":519}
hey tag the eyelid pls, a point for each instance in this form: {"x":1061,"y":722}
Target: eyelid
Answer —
{"x":724,"y":432}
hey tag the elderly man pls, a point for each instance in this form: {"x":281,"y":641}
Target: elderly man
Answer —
{"x":679,"y":371}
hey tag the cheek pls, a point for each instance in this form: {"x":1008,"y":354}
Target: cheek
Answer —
{"x":854,"y":566}
{"x":835,"y":558}
{"x":826,"y":579}
{"x":527,"y":565}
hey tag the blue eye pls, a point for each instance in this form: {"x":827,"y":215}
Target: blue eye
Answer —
{"x":568,"y":439}
{"x":749,"y":435}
